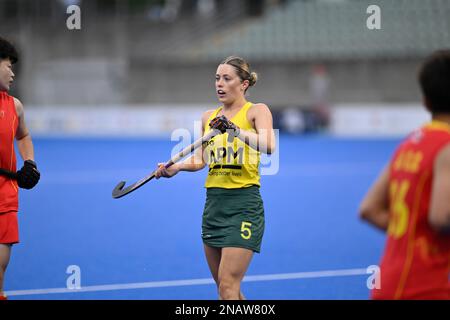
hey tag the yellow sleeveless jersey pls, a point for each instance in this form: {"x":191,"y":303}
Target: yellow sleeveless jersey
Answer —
{"x":231,"y":165}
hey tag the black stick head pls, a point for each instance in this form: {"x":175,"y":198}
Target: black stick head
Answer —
{"x":117,"y":192}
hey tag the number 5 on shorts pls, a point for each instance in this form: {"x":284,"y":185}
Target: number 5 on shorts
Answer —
{"x":246,"y":233}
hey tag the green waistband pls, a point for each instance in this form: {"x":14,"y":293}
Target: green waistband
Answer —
{"x":231,"y":192}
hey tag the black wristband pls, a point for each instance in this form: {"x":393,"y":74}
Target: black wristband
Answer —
{"x":31,"y":163}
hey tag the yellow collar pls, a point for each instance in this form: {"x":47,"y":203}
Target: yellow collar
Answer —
{"x":438,"y":125}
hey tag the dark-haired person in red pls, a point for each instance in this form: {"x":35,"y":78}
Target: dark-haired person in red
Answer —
{"x":411,"y":199}
{"x":12,"y":126}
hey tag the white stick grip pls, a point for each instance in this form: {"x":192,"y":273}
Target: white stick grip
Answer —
{"x":189,"y":149}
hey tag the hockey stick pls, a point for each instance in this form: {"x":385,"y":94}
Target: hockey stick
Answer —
{"x":9,"y":174}
{"x":119,"y":191}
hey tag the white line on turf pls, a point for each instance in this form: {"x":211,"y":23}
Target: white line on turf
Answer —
{"x":192,"y":282}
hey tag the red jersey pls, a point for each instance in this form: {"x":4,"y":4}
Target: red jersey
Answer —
{"x":416,"y":261}
{"x":8,"y":127}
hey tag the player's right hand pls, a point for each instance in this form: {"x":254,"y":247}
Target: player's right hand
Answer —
{"x":166,"y":172}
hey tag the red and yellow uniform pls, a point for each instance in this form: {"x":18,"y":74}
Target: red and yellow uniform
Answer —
{"x":416,"y":261}
{"x":9,"y":203}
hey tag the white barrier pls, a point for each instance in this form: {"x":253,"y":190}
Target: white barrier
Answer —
{"x":366,"y":120}
{"x":112,"y":121}
{"x":377,"y":119}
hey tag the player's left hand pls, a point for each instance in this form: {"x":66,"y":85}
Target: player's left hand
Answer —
{"x":224,"y":125}
{"x":28,"y":176}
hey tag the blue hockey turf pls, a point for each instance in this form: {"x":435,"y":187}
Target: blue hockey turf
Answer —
{"x":142,"y":245}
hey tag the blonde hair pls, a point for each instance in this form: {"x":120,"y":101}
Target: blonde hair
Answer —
{"x":242,"y":69}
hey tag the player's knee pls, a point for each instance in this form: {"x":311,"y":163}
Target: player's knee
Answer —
{"x":229,"y":288}
{"x":226,"y":291}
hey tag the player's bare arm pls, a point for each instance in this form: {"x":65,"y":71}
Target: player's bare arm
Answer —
{"x":375,"y":205}
{"x":191,"y":164}
{"x":264,"y":139}
{"x":28,"y":176}
{"x":439,"y":216}
{"x":196,"y":161}
{"x":23,"y":137}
